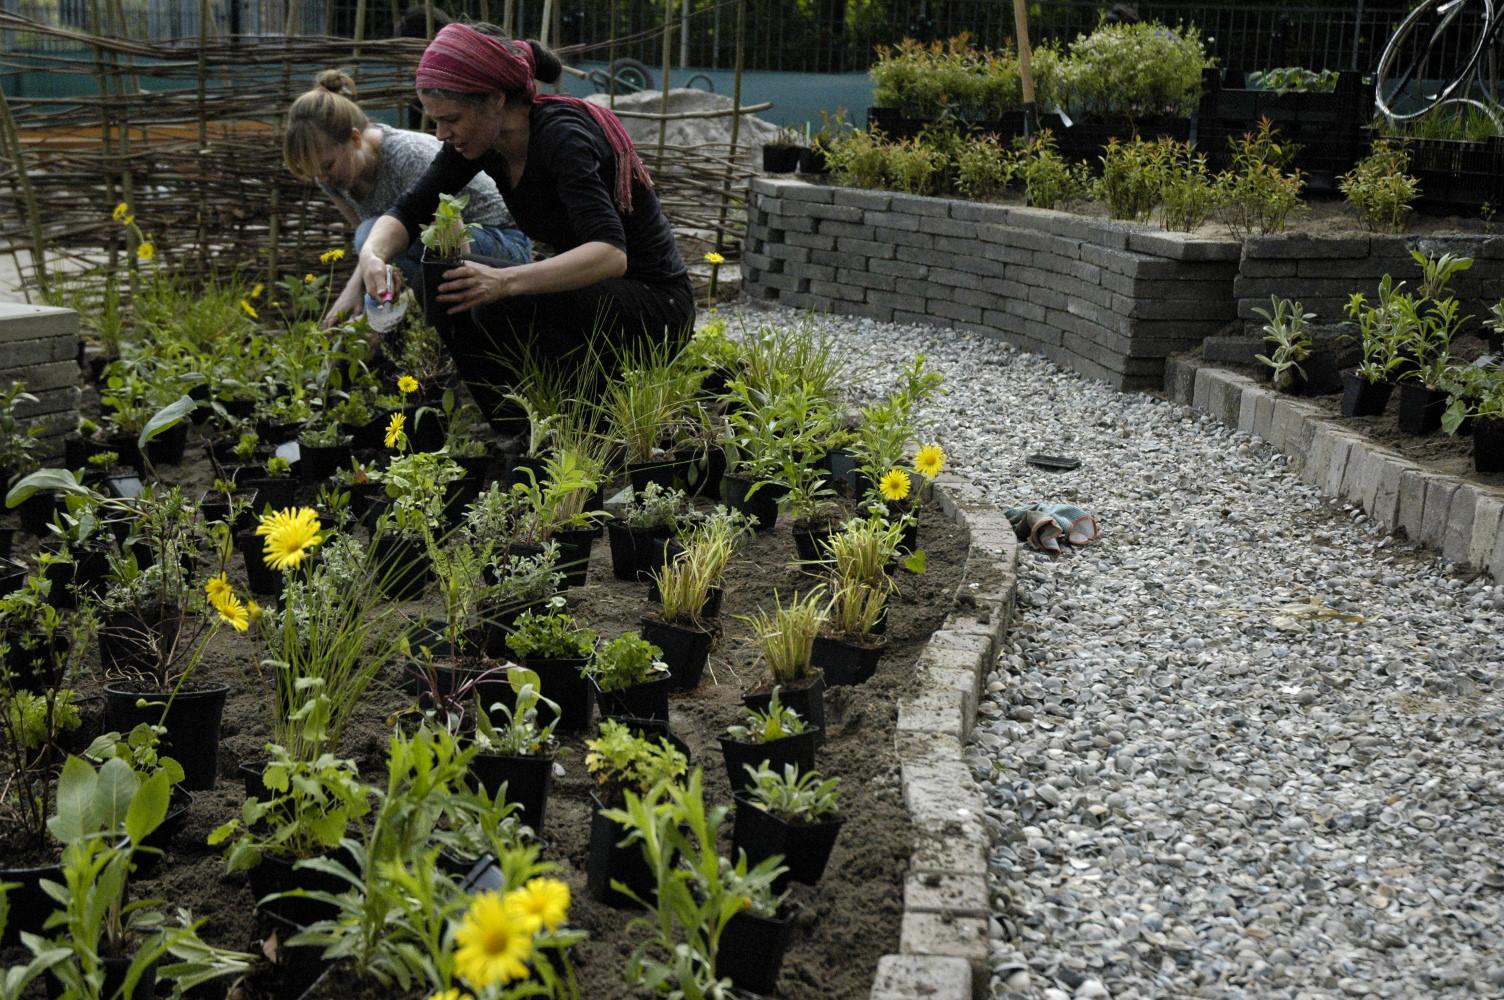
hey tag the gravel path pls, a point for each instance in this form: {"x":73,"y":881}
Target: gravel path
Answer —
{"x":1201,"y":782}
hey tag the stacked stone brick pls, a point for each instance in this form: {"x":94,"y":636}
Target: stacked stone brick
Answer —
{"x":39,"y":346}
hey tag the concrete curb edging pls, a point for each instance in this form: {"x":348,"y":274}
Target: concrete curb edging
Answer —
{"x":943,"y":943}
{"x":1461,"y":520}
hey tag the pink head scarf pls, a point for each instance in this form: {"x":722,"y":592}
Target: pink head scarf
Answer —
{"x":467,"y":61}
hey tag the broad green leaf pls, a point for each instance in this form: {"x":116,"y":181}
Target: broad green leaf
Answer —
{"x":75,"y":790}
{"x":148,"y":807}
{"x":45,"y":481}
{"x":915,"y":562}
{"x":166,"y":418}
{"x":113,"y":792}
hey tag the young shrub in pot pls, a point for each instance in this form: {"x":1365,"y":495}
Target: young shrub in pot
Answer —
{"x":630,"y":678}
{"x":786,"y":639}
{"x":790,"y":813}
{"x":553,"y":645}
{"x":684,"y":588}
{"x":772,"y":737}
{"x":517,"y":752}
{"x":640,"y":536}
{"x":620,"y":763}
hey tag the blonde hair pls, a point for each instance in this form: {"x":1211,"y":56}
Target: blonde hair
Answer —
{"x":324,"y":115}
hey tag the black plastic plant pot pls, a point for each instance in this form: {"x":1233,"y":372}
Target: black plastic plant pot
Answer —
{"x":272,"y":493}
{"x":807,"y":698}
{"x":36,"y":512}
{"x":318,"y":462}
{"x":798,"y":749}
{"x":12,"y":575}
{"x":648,"y":700}
{"x":780,"y":159}
{"x":703,"y":472}
{"x":458,"y":496}
{"x":562,"y":682}
{"x":575,"y":545}
{"x":810,"y":539}
{"x":844,"y":662}
{"x":1323,"y":377}
{"x":115,"y":971}
{"x":713,"y":598}
{"x":192,"y":722}
{"x":433,"y":275}
{"x":260,"y":577}
{"x":7,"y":539}
{"x":131,"y":644}
{"x":29,"y":904}
{"x":168,"y":447}
{"x":1362,"y":398}
{"x":685,"y":649}
{"x":1420,"y":409}
{"x":635,"y":554}
{"x":275,"y":874}
{"x":661,"y":471}
{"x":812,"y":161}
{"x":426,"y":430}
{"x":294,"y":966}
{"x":751,"y":951}
{"x":842,"y":463}
{"x":1488,"y":444}
{"x":216,"y":507}
{"x":527,"y":780}
{"x":761,"y":505}
{"x":609,"y":861}
{"x":37,"y":668}
{"x":404,"y":566}
{"x":805,"y":847}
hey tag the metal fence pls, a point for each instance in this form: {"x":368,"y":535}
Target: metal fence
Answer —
{"x":789,"y":35}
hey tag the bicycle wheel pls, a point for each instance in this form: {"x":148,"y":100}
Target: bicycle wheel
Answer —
{"x":1431,"y":56}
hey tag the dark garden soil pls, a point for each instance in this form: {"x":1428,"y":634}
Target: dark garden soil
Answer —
{"x":842,"y":926}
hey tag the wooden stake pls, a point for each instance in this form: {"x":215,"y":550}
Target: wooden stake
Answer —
{"x":1025,"y":70}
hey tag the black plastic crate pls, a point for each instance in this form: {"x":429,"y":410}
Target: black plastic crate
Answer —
{"x":1084,"y":140}
{"x":1458,"y":173}
{"x":1329,"y":128}
{"x":895,"y":125}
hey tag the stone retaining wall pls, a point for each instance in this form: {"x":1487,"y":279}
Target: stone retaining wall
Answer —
{"x":39,"y":345}
{"x":1107,"y":299}
{"x":1321,"y":272}
{"x":944,"y":941}
{"x":1462,"y":520}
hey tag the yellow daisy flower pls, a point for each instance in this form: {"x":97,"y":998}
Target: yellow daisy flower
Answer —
{"x":292,"y":539}
{"x":330,"y":256}
{"x":544,"y":902}
{"x":217,"y":587}
{"x":257,"y":289}
{"x":407,"y":385}
{"x":309,"y":279}
{"x":146,"y":251}
{"x":394,"y":432}
{"x":253,"y":611}
{"x":714,"y":258}
{"x":894,"y":485}
{"x":272,"y":520}
{"x":121,"y":211}
{"x":232,"y":612}
{"x":493,"y":943}
{"x":930,"y":461}
{"x":248,"y":309}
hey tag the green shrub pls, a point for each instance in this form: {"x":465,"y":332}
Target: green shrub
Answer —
{"x":1189,"y":195}
{"x":1379,"y":189}
{"x":928,"y":80}
{"x":1293,"y":80}
{"x":1136,"y":70}
{"x":1255,"y":194}
{"x":859,"y":159}
{"x":1048,"y":179}
{"x":915,"y":167}
{"x":1133,"y":175}
{"x":983,"y":168}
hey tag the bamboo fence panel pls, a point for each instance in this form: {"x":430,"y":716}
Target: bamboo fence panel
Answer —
{"x":193,"y":134}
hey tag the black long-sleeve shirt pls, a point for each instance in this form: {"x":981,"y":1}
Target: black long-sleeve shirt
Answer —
{"x":565,"y":196}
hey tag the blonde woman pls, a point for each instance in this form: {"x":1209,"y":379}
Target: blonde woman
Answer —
{"x":364,"y":167}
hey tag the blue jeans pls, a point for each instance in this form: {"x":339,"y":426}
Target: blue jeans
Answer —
{"x":510,"y":245}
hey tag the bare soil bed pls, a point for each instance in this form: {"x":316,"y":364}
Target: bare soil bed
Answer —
{"x":843,"y":925}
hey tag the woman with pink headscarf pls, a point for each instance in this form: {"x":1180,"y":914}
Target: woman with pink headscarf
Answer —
{"x":572,"y":181}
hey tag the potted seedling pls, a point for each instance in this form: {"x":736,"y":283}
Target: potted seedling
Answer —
{"x":445,"y":241}
{"x":773,"y":738}
{"x":555,"y":647}
{"x":781,"y":155}
{"x":553,"y":507}
{"x":1430,"y":322}
{"x":323,"y":447}
{"x":640,"y":535}
{"x":1478,"y":395}
{"x":791,"y":813}
{"x":516,"y":747}
{"x":848,"y":648}
{"x":698,"y":899}
{"x":620,"y":761}
{"x":1366,"y":391}
{"x":687,"y":589}
{"x":1286,"y":329}
{"x":630,"y":678}
{"x":786,"y":639}
{"x":406,"y":533}
{"x":645,"y":407}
